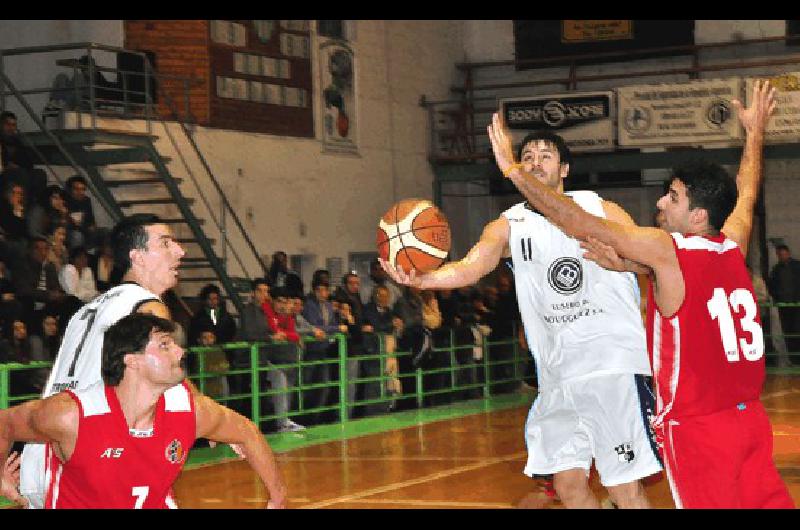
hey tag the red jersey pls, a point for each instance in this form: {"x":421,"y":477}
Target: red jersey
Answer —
{"x":112,"y":467}
{"x":709,"y":355}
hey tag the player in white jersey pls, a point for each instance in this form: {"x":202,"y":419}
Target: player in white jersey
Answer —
{"x":145,"y":249}
{"x":585,"y":330}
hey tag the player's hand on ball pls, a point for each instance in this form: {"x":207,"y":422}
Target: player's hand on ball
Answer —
{"x":399,"y":275}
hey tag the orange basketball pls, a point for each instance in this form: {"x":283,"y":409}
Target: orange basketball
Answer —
{"x":414,"y":234}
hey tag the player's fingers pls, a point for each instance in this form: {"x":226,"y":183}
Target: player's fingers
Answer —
{"x":737,"y":105}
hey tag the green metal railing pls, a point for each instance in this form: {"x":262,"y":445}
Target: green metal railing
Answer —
{"x":344,"y":372}
{"x":455,"y":372}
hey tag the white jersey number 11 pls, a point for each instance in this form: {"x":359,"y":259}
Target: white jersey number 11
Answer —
{"x":719,"y":307}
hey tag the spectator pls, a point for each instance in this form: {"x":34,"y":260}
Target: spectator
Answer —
{"x":81,"y":212}
{"x":10,"y":308}
{"x":214,"y":362}
{"x":254,"y":328}
{"x":36,"y":283}
{"x":457,"y":326}
{"x":503,"y":319}
{"x":784,"y":286}
{"x":49,"y":211}
{"x":319,"y":312}
{"x":13,"y":222}
{"x":76,"y":277}
{"x":103,"y":268}
{"x":378,"y":314}
{"x":57,"y":253}
{"x":278,"y":269}
{"x":14,"y":153}
{"x":212,"y":316}
{"x":776,"y":343}
{"x":286,"y":351}
{"x":22,"y":382}
{"x":380,"y":279}
{"x":44,"y":347}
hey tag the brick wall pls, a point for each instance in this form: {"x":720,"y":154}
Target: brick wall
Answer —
{"x":182,"y":49}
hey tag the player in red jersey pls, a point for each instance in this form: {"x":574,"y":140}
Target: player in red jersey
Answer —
{"x":121,"y":443}
{"x":704,"y":331}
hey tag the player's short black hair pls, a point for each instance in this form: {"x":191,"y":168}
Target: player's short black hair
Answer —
{"x":564,"y":154}
{"x":128,"y":234}
{"x":129,"y":335}
{"x":710,"y":187}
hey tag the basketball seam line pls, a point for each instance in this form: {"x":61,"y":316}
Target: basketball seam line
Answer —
{"x":411,"y":232}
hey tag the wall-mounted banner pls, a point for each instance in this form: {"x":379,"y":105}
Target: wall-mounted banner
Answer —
{"x":339,"y":123}
{"x":595,"y":30}
{"x":584,"y":119}
{"x":784,"y":125}
{"x":698,"y":112}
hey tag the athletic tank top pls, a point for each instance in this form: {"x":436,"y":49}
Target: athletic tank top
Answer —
{"x":78,"y":363}
{"x":709,"y":355}
{"x":114,"y":468}
{"x":580,"y":319}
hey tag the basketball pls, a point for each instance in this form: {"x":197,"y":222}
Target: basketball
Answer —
{"x":414,"y":234}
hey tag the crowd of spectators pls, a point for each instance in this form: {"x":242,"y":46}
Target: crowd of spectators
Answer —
{"x":387,"y":318}
{"x":51,"y":257}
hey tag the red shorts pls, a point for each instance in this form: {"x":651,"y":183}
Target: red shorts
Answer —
{"x":723,"y":460}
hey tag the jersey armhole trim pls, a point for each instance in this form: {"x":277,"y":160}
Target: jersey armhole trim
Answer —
{"x":683,"y":276}
{"x":140,"y":303}
{"x":77,"y":401}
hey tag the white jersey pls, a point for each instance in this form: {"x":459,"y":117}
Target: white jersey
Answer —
{"x":77,"y":367}
{"x":580,"y":319}
{"x":78,"y":363}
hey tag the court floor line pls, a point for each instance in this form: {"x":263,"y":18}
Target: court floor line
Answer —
{"x":414,"y":482}
{"x":451,"y":504}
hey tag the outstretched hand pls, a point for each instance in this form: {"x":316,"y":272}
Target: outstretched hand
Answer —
{"x":400,"y":276}
{"x":602,"y":254}
{"x":755,"y":117}
{"x":501,"y":143}
{"x":9,"y":480}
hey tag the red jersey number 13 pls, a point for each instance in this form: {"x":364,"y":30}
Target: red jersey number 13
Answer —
{"x":719,"y":307}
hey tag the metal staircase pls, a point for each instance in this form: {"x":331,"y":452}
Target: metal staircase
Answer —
{"x":132,"y":170}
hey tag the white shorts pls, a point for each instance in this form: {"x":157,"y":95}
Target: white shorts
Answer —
{"x":604,"y":417}
{"x":32,"y":475}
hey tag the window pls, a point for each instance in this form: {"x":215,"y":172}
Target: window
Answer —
{"x":331,"y":28}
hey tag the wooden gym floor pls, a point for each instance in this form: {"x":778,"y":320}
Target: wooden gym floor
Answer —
{"x":474,"y":461}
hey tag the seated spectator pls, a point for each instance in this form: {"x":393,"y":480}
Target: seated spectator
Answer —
{"x":214,"y":362}
{"x":212,"y":315}
{"x":76,"y":277}
{"x":13,"y":222}
{"x":14,"y":154}
{"x":380,"y":279}
{"x":81,"y":212}
{"x":36,"y":284}
{"x":458,"y":326}
{"x":48,"y":211}
{"x":104,"y":267}
{"x":22,"y":382}
{"x":10,"y":308}
{"x":44,"y":346}
{"x":58,"y":254}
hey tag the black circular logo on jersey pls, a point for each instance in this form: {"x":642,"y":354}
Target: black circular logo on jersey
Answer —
{"x":565,"y":275}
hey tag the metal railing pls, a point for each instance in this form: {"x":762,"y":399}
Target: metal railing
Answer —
{"x":457,"y":125}
{"x":120,"y":100}
{"x":242,"y":380}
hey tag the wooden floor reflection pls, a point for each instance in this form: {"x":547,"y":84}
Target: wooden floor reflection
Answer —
{"x":470,"y":462}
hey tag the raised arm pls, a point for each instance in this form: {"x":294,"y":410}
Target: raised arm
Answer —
{"x":221,"y":424}
{"x":754,"y":119}
{"x":479,"y":261}
{"x":648,"y":246}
